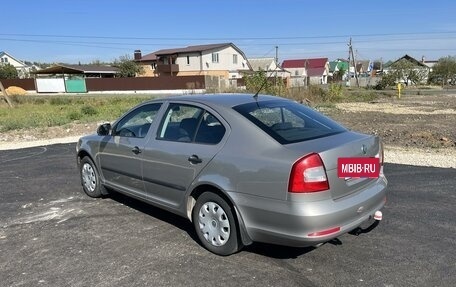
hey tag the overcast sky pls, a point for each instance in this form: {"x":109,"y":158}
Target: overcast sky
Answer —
{"x":88,"y":30}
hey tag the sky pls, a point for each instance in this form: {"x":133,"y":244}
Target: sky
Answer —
{"x":85,"y":31}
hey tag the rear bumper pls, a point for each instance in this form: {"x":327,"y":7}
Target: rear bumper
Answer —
{"x":290,"y":223}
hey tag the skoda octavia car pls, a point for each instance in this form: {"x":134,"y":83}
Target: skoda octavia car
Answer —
{"x":242,"y":168}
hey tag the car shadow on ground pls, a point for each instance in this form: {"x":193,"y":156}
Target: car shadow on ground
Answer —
{"x":160,"y":214}
{"x":264,"y":249}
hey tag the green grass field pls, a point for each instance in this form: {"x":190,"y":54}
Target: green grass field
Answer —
{"x":47,"y":111}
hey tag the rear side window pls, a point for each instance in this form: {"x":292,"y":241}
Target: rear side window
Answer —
{"x":186,"y":123}
{"x":289,"y":122}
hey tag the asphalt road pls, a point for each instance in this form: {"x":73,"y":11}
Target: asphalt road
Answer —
{"x":51,"y":234}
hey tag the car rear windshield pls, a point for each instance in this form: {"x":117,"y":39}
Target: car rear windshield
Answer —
{"x":289,"y":122}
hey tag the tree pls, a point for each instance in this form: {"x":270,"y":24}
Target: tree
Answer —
{"x":339,"y":74}
{"x":408,"y":72}
{"x":128,"y":67}
{"x":444,"y":72}
{"x":8,"y":71}
{"x":259,"y":82}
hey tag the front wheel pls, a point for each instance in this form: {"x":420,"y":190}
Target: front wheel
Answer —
{"x":90,"y":179}
{"x":215,"y":224}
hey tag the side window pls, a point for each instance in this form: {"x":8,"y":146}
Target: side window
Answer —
{"x":184,"y":123}
{"x":137,"y":122}
{"x":211,"y":130}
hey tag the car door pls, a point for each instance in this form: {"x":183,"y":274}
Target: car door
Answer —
{"x":188,"y":138}
{"x":120,"y":153}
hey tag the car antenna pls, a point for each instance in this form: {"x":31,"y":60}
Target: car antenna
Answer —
{"x":255,"y":96}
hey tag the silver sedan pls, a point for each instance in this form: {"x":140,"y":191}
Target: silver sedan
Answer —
{"x":242,"y":168}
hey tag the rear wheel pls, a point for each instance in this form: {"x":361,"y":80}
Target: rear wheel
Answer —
{"x":215,"y":224}
{"x":90,"y":179}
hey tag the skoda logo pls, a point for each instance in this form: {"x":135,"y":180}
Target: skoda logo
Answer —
{"x":364,"y":149}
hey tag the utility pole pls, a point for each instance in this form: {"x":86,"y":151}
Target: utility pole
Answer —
{"x":5,"y":95}
{"x":352,"y":55}
{"x":276,"y":63}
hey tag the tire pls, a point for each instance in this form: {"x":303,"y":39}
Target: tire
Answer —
{"x":90,"y":178}
{"x":215,"y":224}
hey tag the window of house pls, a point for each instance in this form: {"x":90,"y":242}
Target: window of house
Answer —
{"x":188,"y":60}
{"x":296,"y":73}
{"x":235,"y":58}
{"x":153,"y":66}
{"x":166,"y":61}
{"x":215,"y":57}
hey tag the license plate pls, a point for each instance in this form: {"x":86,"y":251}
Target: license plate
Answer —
{"x":355,"y":167}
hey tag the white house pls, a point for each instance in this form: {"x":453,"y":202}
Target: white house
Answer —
{"x":307,"y":71}
{"x":22,"y":69}
{"x":270,"y":66}
{"x":224,"y":60}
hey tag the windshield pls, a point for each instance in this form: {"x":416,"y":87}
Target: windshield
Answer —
{"x":289,"y":122}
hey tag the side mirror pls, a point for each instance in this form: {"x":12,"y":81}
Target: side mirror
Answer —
{"x":104,"y":129}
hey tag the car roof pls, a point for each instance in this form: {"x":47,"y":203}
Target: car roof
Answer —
{"x":224,"y":100}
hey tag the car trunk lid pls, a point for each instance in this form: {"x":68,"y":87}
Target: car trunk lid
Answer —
{"x":343,"y":145}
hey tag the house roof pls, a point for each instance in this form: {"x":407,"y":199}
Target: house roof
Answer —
{"x":305,"y":63}
{"x":339,"y":65}
{"x":411,"y":59}
{"x":315,"y":72}
{"x":362,"y":65}
{"x":192,"y":49}
{"x":3,"y":53}
{"x":261,"y":63}
{"x":148,"y":57}
{"x":78,"y":69}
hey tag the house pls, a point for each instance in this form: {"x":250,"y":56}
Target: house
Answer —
{"x":23,"y":70}
{"x":224,"y":60}
{"x":148,"y":62}
{"x":429,"y":63}
{"x":307,"y":71}
{"x":85,"y":71}
{"x":270,"y":66}
{"x":363,"y":68}
{"x":411,"y":71}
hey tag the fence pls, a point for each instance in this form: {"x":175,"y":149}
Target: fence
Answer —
{"x":111,"y":84}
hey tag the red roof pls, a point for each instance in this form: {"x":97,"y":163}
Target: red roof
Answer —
{"x":305,"y":63}
{"x":315,"y":72}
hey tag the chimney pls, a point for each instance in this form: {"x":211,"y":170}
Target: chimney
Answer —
{"x":138,"y":55}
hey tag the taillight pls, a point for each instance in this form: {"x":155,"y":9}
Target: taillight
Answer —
{"x":308,"y":174}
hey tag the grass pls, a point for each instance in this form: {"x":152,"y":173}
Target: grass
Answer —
{"x":41,"y":111}
{"x":48,"y":111}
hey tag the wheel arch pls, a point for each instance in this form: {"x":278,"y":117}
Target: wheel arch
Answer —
{"x":197,"y":191}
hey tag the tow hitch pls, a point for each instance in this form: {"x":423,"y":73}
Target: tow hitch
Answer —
{"x":378,"y":216}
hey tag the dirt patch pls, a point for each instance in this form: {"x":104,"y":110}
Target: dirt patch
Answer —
{"x":412,"y":121}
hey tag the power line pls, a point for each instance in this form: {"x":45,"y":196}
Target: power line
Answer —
{"x":227,"y":38}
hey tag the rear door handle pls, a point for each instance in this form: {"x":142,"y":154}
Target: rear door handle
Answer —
{"x":195,"y":159}
{"x":136,"y":150}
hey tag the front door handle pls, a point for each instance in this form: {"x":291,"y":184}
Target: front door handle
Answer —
{"x":195,"y":159}
{"x":136,"y":150}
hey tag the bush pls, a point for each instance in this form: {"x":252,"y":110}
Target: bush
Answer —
{"x":335,"y":93}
